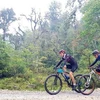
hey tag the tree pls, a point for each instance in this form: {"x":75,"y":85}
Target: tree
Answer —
{"x":34,"y":19}
{"x":4,"y":58}
{"x":68,"y":26}
{"x":91,"y":23}
{"x":7,"y":16}
{"x":54,"y":15}
{"x":17,"y":39}
{"x":36,"y":24}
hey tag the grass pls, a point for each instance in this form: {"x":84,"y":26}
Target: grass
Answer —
{"x":20,"y":83}
{"x":34,"y":81}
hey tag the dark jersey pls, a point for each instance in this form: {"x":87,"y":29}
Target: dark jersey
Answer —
{"x":96,"y":60}
{"x":67,"y":59}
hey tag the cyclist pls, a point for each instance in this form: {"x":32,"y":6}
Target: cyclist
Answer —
{"x":69,"y":63}
{"x":96,"y":54}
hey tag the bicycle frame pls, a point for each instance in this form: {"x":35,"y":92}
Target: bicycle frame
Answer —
{"x":92,"y":72}
{"x":61,"y":71}
{"x":86,"y":82}
{"x":53,"y":83}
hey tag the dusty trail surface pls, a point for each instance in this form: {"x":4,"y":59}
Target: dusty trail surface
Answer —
{"x":33,"y":95}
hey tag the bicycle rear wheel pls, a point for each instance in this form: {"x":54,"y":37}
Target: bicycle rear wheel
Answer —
{"x":86,"y":85}
{"x":77,"y":80}
{"x":77,"y":77}
{"x":53,"y":84}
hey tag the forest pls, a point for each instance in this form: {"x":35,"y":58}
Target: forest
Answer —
{"x":28,"y":54}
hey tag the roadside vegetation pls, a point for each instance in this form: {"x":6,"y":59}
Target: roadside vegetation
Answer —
{"x":28,"y":55}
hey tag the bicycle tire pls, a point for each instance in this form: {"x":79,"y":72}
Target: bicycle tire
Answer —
{"x":77,"y":80}
{"x":86,"y":88}
{"x":53,"y":84}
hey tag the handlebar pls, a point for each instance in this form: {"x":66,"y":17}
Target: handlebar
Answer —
{"x":55,"y":68}
{"x":58,"y":69}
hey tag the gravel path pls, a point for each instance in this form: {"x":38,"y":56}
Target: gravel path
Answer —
{"x":31,"y":95}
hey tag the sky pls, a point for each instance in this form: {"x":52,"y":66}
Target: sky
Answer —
{"x":24,"y":6}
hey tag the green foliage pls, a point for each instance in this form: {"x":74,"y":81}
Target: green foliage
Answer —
{"x":91,"y":19}
{"x":27,"y":81}
{"x":85,"y":60}
{"x":29,"y":55}
{"x":54,"y":16}
{"x":4,"y":58}
{"x":7,"y":16}
{"x":50,"y":58}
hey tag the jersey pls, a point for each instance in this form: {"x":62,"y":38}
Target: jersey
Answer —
{"x":67,"y":59}
{"x":96,"y":60}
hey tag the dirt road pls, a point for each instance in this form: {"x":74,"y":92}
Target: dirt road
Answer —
{"x":33,"y":95}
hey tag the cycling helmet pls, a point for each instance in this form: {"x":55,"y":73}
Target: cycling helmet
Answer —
{"x":61,"y":51}
{"x":95,"y":52}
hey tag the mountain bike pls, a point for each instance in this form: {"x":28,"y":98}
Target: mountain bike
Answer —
{"x":87,"y":83}
{"x":53,"y":83}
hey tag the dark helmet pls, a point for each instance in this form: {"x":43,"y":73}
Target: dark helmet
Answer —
{"x":61,"y":51}
{"x":95,"y":52}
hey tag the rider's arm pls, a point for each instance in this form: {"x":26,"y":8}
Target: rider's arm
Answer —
{"x":60,"y":62}
{"x":94,"y":62}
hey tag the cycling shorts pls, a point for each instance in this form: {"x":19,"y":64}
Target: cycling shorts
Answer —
{"x":72,"y":68}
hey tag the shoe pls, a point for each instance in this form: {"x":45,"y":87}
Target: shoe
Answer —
{"x":73,"y":87}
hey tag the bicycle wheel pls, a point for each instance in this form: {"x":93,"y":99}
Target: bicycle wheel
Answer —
{"x":86,"y":85}
{"x":77,"y":77}
{"x":77,"y":80}
{"x":53,"y":84}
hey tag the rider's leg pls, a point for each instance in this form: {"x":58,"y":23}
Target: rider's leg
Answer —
{"x":65,"y":70}
{"x":71,"y":74}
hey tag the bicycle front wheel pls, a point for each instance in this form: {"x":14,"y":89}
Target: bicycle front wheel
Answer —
{"x":53,"y":84}
{"x":86,"y":85}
